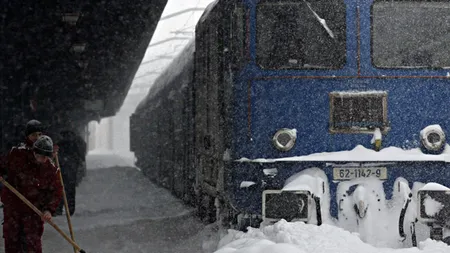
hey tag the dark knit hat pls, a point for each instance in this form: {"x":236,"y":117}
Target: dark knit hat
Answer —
{"x":33,"y":126}
{"x":43,"y":146}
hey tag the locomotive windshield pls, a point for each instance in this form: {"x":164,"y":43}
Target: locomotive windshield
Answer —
{"x":304,"y":34}
{"x":411,"y":34}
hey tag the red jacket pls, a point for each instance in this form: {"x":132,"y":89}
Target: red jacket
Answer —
{"x":39,"y":183}
{"x":28,"y":143}
{"x":4,"y":157}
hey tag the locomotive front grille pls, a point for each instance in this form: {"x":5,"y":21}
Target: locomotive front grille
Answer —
{"x":358,"y":112}
{"x":288,"y":205}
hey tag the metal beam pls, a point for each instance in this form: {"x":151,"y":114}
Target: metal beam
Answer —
{"x":147,"y":74}
{"x":167,"y":40}
{"x":180,"y":32}
{"x":160,"y":57}
{"x":142,"y":86}
{"x":136,"y":91}
{"x":181,"y":12}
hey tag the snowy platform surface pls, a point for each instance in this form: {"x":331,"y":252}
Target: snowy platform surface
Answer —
{"x":119,"y":210}
{"x":99,"y":159}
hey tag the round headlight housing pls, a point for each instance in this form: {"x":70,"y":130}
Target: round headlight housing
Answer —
{"x":433,"y":138}
{"x":284,"y":139}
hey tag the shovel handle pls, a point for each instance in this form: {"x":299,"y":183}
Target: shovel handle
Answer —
{"x":66,"y":206}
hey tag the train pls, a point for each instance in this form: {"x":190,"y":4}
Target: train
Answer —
{"x":317,"y":111}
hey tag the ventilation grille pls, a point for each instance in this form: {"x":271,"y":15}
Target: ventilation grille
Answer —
{"x":358,"y":112}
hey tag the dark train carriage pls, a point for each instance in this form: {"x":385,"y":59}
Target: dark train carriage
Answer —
{"x":160,"y":128}
{"x":185,"y":123}
{"x":212,"y":89}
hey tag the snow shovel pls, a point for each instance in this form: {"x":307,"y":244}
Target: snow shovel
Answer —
{"x":29,"y":204}
{"x":66,"y":206}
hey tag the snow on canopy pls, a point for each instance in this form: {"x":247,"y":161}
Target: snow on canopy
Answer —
{"x":183,"y":62}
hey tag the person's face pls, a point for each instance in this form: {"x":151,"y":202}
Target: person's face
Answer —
{"x":34,"y":136}
{"x":40,"y":158}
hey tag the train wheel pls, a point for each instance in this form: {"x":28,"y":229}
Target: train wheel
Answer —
{"x":243,"y":222}
{"x":205,"y":207}
{"x":210,"y":209}
{"x":223,"y":214}
{"x":228,"y":218}
{"x":201,"y":211}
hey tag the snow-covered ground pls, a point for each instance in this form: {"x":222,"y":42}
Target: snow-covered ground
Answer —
{"x":119,"y":210}
{"x":100,"y":158}
{"x":298,"y":237}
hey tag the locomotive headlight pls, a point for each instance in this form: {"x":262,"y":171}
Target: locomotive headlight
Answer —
{"x":433,"y":138}
{"x":284,"y":139}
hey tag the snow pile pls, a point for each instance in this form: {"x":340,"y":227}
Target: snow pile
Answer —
{"x":432,"y":207}
{"x":315,"y":181}
{"x":298,"y":237}
{"x":376,"y":136}
{"x":100,"y":158}
{"x":246,"y":184}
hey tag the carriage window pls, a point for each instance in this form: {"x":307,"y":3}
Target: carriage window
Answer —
{"x":238,"y":31}
{"x":299,"y":35}
{"x":411,"y":34}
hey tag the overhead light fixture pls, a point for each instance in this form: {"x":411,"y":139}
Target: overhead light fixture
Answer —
{"x":78,"y":47}
{"x":86,"y":75}
{"x":82,"y":64}
{"x":71,"y":17}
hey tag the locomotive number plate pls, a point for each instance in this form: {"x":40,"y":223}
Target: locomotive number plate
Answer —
{"x":353,"y":173}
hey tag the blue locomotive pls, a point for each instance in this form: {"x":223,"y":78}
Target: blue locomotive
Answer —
{"x":321,"y":111}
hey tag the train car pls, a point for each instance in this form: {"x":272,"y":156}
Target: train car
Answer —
{"x":161,"y":128}
{"x":320,"y":111}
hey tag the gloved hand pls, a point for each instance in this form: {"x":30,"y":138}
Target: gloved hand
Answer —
{"x":46,"y":216}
